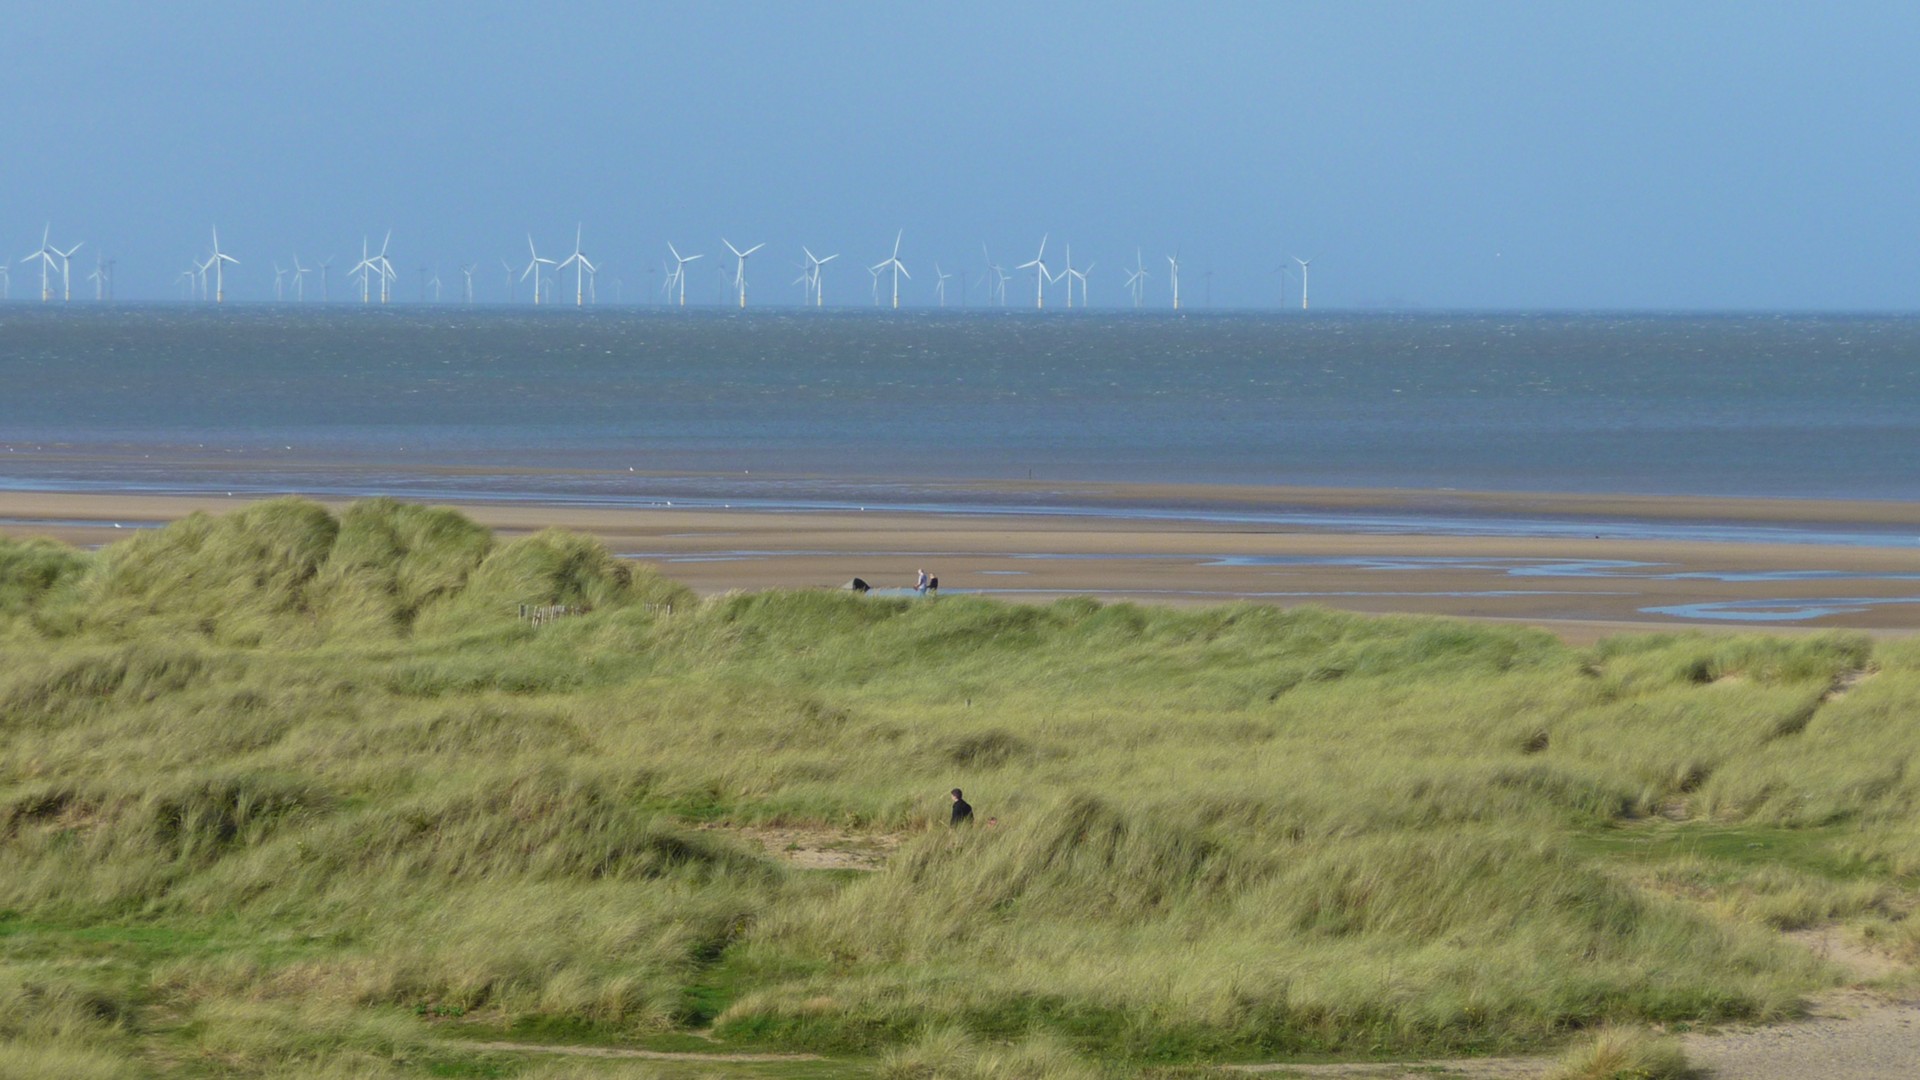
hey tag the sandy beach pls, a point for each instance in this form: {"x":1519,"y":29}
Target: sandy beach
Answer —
{"x":1582,"y":588}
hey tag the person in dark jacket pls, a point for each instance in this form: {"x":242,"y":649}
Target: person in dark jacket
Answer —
{"x":962,"y":811}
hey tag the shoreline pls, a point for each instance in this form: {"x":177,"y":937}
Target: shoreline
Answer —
{"x":1579,"y":586}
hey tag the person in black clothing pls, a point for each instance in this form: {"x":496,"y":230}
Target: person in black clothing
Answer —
{"x":962,"y":811}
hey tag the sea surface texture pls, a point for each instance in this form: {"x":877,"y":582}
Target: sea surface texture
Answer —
{"x":419,"y":399}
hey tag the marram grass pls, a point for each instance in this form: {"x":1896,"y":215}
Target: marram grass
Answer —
{"x":290,"y":792}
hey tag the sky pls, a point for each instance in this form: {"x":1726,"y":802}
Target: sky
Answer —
{"x":1489,"y":155}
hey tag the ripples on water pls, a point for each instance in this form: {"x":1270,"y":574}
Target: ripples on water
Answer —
{"x":1746,"y":405}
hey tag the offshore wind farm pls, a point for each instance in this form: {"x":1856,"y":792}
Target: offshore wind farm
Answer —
{"x":980,"y":283}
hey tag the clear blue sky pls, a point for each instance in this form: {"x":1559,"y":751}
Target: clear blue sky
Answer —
{"x":1743,"y":155}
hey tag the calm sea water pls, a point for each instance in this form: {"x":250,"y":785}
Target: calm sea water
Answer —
{"x":170,"y":397}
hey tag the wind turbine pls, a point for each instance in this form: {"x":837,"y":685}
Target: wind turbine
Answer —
{"x":467,"y":294}
{"x":365,"y":268}
{"x":581,"y":268}
{"x":940,"y":284}
{"x":189,"y":275}
{"x":220,"y":260}
{"x":1303,"y":279}
{"x":300,"y":278}
{"x":45,"y":255}
{"x":1173,"y":278}
{"x":1040,"y":282}
{"x":326,"y":293}
{"x":898,"y":267}
{"x":508,"y":267}
{"x":1069,"y":273}
{"x":1137,"y":278}
{"x":740,"y":267}
{"x":533,"y":268}
{"x":680,"y":271}
{"x":819,"y":289}
{"x":388,"y":275}
{"x":874,"y":273}
{"x":279,"y":284}
{"x":99,"y":278}
{"x":1082,"y":275}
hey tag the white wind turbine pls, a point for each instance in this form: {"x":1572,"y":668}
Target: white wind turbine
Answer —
{"x":533,"y":268}
{"x":998,"y":288}
{"x":1137,"y":278}
{"x":188,"y":275}
{"x":300,"y":279}
{"x":99,"y":278}
{"x":893,"y":261}
{"x":940,"y":284}
{"x":66,"y":272}
{"x":201,"y":269}
{"x":815,"y":264}
{"x":365,"y":268}
{"x":467,"y":290}
{"x":388,"y":275}
{"x":1173,"y":278}
{"x":326,"y":292}
{"x":435,"y":282}
{"x":220,"y":260}
{"x":581,"y":268}
{"x":874,"y":273}
{"x":1041,"y":280}
{"x":1082,"y":275}
{"x":508,"y":267}
{"x":680,"y":270}
{"x":740,"y":267}
{"x":279,"y":284}
{"x":45,"y":255}
{"x":1303,"y":279}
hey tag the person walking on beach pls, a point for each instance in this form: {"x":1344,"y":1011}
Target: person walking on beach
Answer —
{"x":920,"y":585}
{"x":962,"y":811}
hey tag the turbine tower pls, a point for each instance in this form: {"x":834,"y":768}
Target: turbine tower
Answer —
{"x":940,"y":284}
{"x":1069,"y":273}
{"x":66,"y":272}
{"x":1082,"y":275}
{"x":300,"y":279}
{"x":388,"y":275}
{"x":1040,"y":281}
{"x":45,"y":255}
{"x":533,"y":268}
{"x":680,"y":271}
{"x":1303,"y":279}
{"x":814,"y":265}
{"x":1173,"y":278}
{"x":581,"y":268}
{"x":893,"y":261}
{"x":508,"y":267}
{"x":365,"y":268}
{"x":1137,"y":278}
{"x":467,"y":289}
{"x":99,"y":278}
{"x":220,"y":260}
{"x":740,"y":267}
{"x":326,"y":292}
{"x":279,"y":284}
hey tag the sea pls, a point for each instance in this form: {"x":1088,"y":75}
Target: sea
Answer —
{"x":630,"y":406}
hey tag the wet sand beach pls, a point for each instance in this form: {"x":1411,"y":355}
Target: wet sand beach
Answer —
{"x":1582,"y":566}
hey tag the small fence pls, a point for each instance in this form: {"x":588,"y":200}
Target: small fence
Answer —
{"x":542,"y":614}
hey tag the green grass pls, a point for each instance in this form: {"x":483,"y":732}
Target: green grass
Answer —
{"x":290,"y":792}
